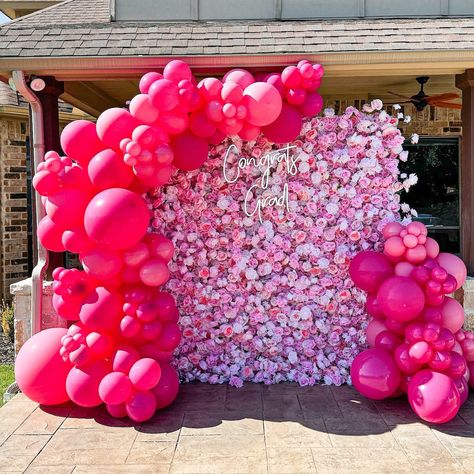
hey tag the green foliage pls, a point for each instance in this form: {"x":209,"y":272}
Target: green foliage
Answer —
{"x":7,"y":319}
{"x":7,"y":377}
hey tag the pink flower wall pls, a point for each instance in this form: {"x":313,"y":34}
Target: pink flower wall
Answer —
{"x":270,"y":299}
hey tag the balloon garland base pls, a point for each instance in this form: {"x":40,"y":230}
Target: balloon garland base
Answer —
{"x":124,"y":329}
{"x":418,"y":345}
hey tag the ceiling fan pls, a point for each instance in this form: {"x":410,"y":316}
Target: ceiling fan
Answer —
{"x":421,"y":100}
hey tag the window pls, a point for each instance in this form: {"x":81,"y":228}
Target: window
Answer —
{"x":436,"y":195}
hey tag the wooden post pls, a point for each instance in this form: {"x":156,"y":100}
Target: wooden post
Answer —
{"x":465,"y":82}
{"x":49,"y":100}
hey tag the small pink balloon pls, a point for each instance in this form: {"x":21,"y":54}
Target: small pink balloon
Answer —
{"x":441,"y":361}
{"x":454,"y":266}
{"x":394,"y":247}
{"x":458,"y":366}
{"x":463,"y":389}
{"x":177,"y":71}
{"x":403,"y":269}
{"x":169,"y":338}
{"x":296,"y":96}
{"x":160,"y":246}
{"x":275,"y":80}
{"x":117,"y":411}
{"x":395,"y":326}
{"x":50,"y":235}
{"x":166,"y":390}
{"x":76,"y":240}
{"x":239,"y":76}
{"x":416,"y":254}
{"x":369,"y":269}
{"x":200,"y":125}
{"x":421,"y":352}
{"x":392,"y":229}
{"x":164,"y":95}
{"x":141,"y":406}
{"x":403,"y":360}
{"x":432,"y":247}
{"x":115,"y":388}
{"x":374,"y":328}
{"x":291,"y":77}
{"x":232,"y":92}
{"x":433,"y":396}
{"x":145,"y":373}
{"x":467,"y":346}
{"x":387,"y":340}
{"x":373,"y":307}
{"x":375,"y":374}
{"x":154,"y":272}
{"x":136,"y":255}
{"x":123,"y":359}
{"x":249,"y":132}
{"x":46,"y":183}
{"x":143,"y":110}
{"x":115,"y":124}
{"x":147,"y":80}
{"x":210,"y":88}
{"x":312,"y":105}
{"x":452,"y":314}
{"x":102,"y":262}
{"x":101,"y":310}
{"x":129,"y":326}
{"x":66,"y":207}
{"x":100,"y":344}
{"x":263,"y":103}
{"x":165,"y":306}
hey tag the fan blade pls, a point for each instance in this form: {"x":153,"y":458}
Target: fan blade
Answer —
{"x":443,"y":97}
{"x":446,"y":105}
{"x":399,"y":103}
{"x":401,"y":96}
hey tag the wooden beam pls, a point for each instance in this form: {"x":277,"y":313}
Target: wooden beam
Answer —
{"x":465,"y":82}
{"x":88,"y":97}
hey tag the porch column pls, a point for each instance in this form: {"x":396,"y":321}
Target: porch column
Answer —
{"x":49,"y":100}
{"x":465,"y":82}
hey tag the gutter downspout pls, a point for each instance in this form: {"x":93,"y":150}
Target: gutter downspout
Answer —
{"x":37,"y":129}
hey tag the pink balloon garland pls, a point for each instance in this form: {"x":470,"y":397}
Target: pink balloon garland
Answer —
{"x":418,"y":344}
{"x":124,"y":329}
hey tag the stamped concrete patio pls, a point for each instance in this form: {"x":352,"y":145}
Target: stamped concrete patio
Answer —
{"x":256,"y":429}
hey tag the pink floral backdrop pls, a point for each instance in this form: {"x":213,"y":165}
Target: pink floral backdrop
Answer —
{"x":272,"y":301}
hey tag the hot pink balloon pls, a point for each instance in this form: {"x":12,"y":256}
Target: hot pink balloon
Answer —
{"x":374,"y":328}
{"x":102,"y":262}
{"x":177,"y":71}
{"x":80,"y":141}
{"x":115,"y":124}
{"x":143,"y":110}
{"x":375,"y":374}
{"x":136,"y":255}
{"x":147,"y":80}
{"x":141,"y":406}
{"x":117,"y":411}
{"x":107,"y":170}
{"x":169,"y":338}
{"x":145,"y":373}
{"x":76,"y":240}
{"x":66,"y":207}
{"x":166,"y":307}
{"x":249,"y":132}
{"x":46,"y":183}
{"x":166,"y":390}
{"x":400,"y":298}
{"x":160,"y":246}
{"x":115,"y":388}
{"x":232,"y":92}
{"x":239,"y":76}
{"x":117,"y":218}
{"x":369,"y":269}
{"x":433,"y":396}
{"x":286,"y":127}
{"x":291,"y":77}
{"x":373,"y":307}
{"x":82,"y":383}
{"x":403,"y":360}
{"x":210,"y":88}
{"x":387,"y":340}
{"x":453,"y":265}
{"x":190,"y":152}
{"x":263,"y":103}
{"x":173,"y":122}
{"x":312,"y":105}
{"x":100,"y":344}
{"x":124,"y":358}
{"x":101,"y":310}
{"x":40,"y":370}
{"x":463,"y":389}
{"x":154,"y":272}
{"x":50,"y":235}
{"x":200,"y":125}
{"x":275,"y":80}
{"x":164,"y":95}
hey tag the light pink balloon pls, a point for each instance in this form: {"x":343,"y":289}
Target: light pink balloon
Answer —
{"x":142,"y":109}
{"x":136,"y":255}
{"x":102,"y":262}
{"x":432,"y":247}
{"x":80,"y":141}
{"x":145,"y":373}
{"x":115,"y":388}
{"x":239,"y":76}
{"x":166,"y":390}
{"x":40,"y":370}
{"x":232,"y":92}
{"x":117,"y":218}
{"x":263,"y":103}
{"x":286,"y":127}
{"x":101,"y":310}
{"x":416,"y":254}
{"x":403,"y":269}
{"x":141,"y":406}
{"x":210,"y":88}
{"x":374,"y":328}
{"x":50,"y":235}
{"x":453,"y":314}
{"x":433,"y":396}
{"x":453,"y":265}
{"x":394,"y":247}
{"x":392,"y":229}
{"x":421,"y":352}
{"x":107,"y":170}
{"x":82,"y":383}
{"x":115,"y":124}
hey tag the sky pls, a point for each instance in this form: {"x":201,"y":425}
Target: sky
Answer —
{"x":3,"y":18}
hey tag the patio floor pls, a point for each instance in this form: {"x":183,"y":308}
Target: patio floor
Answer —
{"x":255,"y":429}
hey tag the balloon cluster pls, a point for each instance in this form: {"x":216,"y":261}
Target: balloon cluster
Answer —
{"x":418,"y":344}
{"x":123,"y":329}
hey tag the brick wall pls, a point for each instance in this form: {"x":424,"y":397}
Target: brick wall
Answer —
{"x":13,"y":208}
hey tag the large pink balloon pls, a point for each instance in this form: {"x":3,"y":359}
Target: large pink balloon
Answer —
{"x":369,"y":269}
{"x":40,"y":370}
{"x":190,"y":152}
{"x":50,"y":235}
{"x":263,"y":102}
{"x":453,"y":265}
{"x":82,"y":383}
{"x":286,"y":127}
{"x":114,"y":125}
{"x":433,"y":396}
{"x":167,"y":388}
{"x":80,"y":141}
{"x":375,"y":374}
{"x":400,"y":298}
{"x":107,"y":170}
{"x":117,"y":217}
{"x":101,"y":310}
{"x":453,"y":314}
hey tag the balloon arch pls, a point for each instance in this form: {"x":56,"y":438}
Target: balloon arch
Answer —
{"x":124,"y":329}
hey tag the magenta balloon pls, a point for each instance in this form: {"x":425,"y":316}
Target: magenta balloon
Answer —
{"x":249,"y":132}
{"x":369,"y":269}
{"x":177,"y":71}
{"x":114,"y":125}
{"x":80,"y":141}
{"x":141,"y":406}
{"x":50,"y":235}
{"x":432,"y":247}
{"x":401,"y":298}
{"x":101,"y":310}
{"x":387,"y":340}
{"x":455,"y":266}
{"x":458,"y":365}
{"x":239,"y":76}
{"x":453,"y":314}
{"x":46,"y":183}
{"x":374,"y":328}
{"x":403,"y":360}
{"x":372,"y":307}
{"x":107,"y":170}
{"x":190,"y":152}
{"x":169,"y":338}
{"x":441,"y":361}
{"x":312,"y":105}
{"x":117,"y":217}
{"x":124,"y":358}
{"x":102,"y":262}
{"x":115,"y":388}
{"x":117,"y":411}
{"x":76,"y":240}
{"x":82,"y":383}
{"x":145,"y":373}
{"x":200,"y":125}
{"x":143,"y":110}
{"x":167,"y":389}
{"x":66,"y":208}
{"x":40,"y":370}
{"x":136,"y":255}
{"x":433,"y":396}
{"x":160,"y":246}
{"x":154,"y":272}
{"x":375,"y":374}
{"x":463,"y":389}
{"x":286,"y":127}
{"x":467,"y":346}
{"x":296,"y":96}
{"x":263,"y":102}
{"x":395,"y":326}
{"x":470,"y":367}
{"x":164,"y":95}
{"x":166,"y":307}
{"x":147,"y":80}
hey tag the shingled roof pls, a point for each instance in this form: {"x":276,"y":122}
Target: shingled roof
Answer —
{"x":84,"y":28}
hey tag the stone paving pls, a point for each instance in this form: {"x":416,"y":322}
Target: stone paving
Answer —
{"x":255,"y":429}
